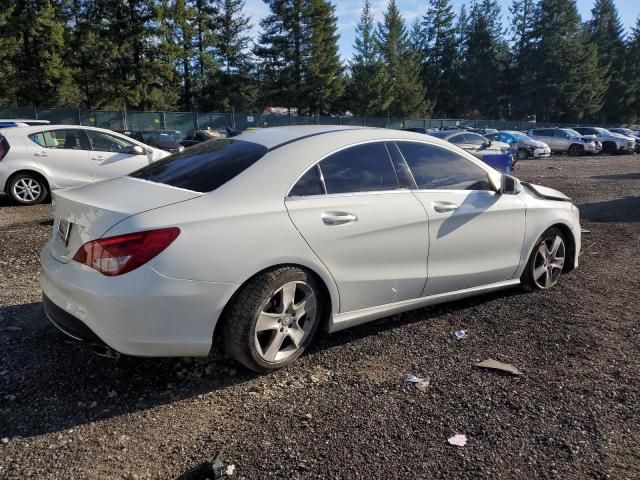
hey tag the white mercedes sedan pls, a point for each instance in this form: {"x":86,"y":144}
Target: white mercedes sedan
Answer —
{"x":266,"y":237}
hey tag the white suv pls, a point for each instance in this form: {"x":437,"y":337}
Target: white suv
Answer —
{"x":37,"y":159}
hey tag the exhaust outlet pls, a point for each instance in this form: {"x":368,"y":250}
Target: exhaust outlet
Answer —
{"x":104,"y":351}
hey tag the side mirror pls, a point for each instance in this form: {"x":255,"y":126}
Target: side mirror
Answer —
{"x":488,"y":143}
{"x":510,"y":185}
{"x":137,"y":150}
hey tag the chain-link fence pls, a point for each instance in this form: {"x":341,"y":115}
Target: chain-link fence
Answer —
{"x":188,"y":121}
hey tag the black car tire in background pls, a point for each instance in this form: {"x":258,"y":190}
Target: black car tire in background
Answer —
{"x":576,"y":150}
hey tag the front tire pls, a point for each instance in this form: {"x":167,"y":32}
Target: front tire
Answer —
{"x":522,"y":154}
{"x":576,"y":150}
{"x":273,"y":319}
{"x":27,"y":189}
{"x":546,"y":261}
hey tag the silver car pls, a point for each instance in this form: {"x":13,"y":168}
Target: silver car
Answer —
{"x":611,"y":142}
{"x":522,"y":145}
{"x":629,"y":133}
{"x":566,"y":140}
{"x":474,"y":143}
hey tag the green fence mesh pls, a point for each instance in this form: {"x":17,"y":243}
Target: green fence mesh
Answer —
{"x":186,"y":122}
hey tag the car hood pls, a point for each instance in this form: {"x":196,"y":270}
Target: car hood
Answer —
{"x":624,"y":137}
{"x":546,"y":192}
{"x":536,"y":143}
{"x":166,"y":145}
{"x":588,"y":137}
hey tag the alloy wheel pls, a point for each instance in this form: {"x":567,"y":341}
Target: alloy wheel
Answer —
{"x":548,"y":262}
{"x":285,"y":322}
{"x":27,"y":189}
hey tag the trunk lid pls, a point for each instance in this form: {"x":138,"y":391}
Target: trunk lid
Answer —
{"x":86,"y":213}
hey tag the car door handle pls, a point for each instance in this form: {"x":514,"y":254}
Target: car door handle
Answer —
{"x":98,"y":158}
{"x":42,"y":153}
{"x":338,"y":218}
{"x":444,"y":207}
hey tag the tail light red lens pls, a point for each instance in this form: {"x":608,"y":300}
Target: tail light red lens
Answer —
{"x":113,"y":256}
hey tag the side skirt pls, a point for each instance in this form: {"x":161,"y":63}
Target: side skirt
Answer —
{"x":364,"y":315}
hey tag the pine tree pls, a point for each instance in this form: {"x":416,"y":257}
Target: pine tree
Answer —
{"x":233,"y":85}
{"x":280,"y":52}
{"x":439,"y":48}
{"x":33,"y":55}
{"x":520,"y":74}
{"x":324,"y":83}
{"x":569,"y":86}
{"x":178,"y":19}
{"x":369,"y":83}
{"x":607,"y":33}
{"x":402,"y":63}
{"x":85,"y":41}
{"x":142,"y":78}
{"x":485,"y":57}
{"x":633,"y":74}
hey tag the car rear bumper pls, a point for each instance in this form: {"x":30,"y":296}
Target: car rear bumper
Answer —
{"x":140,"y":313}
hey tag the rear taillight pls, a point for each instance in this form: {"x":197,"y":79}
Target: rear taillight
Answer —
{"x":113,"y":256}
{"x":4,"y":147}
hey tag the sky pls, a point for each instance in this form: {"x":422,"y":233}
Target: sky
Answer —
{"x":348,"y":12}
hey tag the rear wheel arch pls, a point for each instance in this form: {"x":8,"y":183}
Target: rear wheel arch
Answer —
{"x":35,"y":174}
{"x":325,"y":292}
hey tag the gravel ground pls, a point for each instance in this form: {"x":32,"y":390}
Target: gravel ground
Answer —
{"x":343,"y":411}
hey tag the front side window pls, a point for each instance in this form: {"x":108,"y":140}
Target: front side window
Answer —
{"x":434,"y":167}
{"x":58,"y":139}
{"x":104,"y":142}
{"x":205,"y":166}
{"x":363,"y":168}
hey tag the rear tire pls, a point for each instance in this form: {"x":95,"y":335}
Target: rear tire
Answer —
{"x":610,"y":148}
{"x":576,"y":150}
{"x":522,"y":154}
{"x":273,"y":319}
{"x":546,"y":261}
{"x":27,"y":189}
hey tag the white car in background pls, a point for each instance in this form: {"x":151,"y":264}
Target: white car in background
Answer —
{"x":262,"y":238}
{"x":35,"y":160}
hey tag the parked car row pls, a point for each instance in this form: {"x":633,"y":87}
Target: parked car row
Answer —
{"x":541,"y":142}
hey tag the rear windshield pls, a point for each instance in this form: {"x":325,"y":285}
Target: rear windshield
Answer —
{"x":203,"y":167}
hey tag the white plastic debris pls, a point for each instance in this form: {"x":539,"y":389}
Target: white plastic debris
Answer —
{"x":231,"y":469}
{"x":458,"y":440}
{"x":460,"y":334}
{"x":421,"y":383}
{"x":495,"y":365}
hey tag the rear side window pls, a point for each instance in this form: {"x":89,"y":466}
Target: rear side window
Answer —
{"x":458,"y":139}
{"x":59,"y":139}
{"x":474,"y":139}
{"x":4,"y":147}
{"x":363,"y":168}
{"x":435,"y":167}
{"x":205,"y":166}
{"x":309,"y":184}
